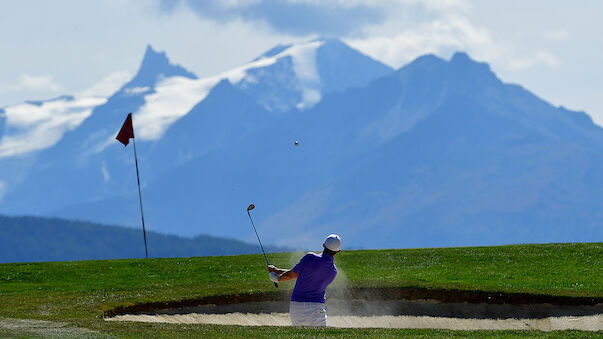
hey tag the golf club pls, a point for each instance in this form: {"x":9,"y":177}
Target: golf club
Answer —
{"x":252,"y":206}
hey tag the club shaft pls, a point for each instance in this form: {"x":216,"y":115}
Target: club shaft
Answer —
{"x":262,"y":247}
{"x":256,"y":234}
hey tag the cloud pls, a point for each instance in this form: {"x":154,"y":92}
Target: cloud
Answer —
{"x":538,"y":58}
{"x":442,"y":28}
{"x":392,"y":31}
{"x":296,"y":17}
{"x":108,"y":85}
{"x":556,"y":35}
{"x":439,"y":36}
{"x":27,"y":82}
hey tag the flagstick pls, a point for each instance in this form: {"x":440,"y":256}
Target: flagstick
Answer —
{"x":144,"y":232}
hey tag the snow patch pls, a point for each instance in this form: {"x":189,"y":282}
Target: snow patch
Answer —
{"x":136,"y":90}
{"x":304,"y":66}
{"x":108,"y":85}
{"x":310,"y":97}
{"x":30,"y":127}
{"x":105,"y":173}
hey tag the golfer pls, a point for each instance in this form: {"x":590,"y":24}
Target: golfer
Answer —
{"x":314,"y":272}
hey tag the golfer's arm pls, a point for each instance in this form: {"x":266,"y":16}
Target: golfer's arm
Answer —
{"x":287,"y":275}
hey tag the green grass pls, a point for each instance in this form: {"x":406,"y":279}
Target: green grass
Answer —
{"x":78,"y":293}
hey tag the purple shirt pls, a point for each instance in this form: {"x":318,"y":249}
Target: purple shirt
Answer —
{"x":315,"y":273}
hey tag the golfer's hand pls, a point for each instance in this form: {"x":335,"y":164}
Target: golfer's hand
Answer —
{"x":273,"y":277}
{"x":272,"y":268}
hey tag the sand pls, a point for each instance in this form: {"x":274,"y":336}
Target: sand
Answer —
{"x":586,"y":323}
{"x":364,"y":313}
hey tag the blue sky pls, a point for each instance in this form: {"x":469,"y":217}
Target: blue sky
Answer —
{"x":50,"y":48}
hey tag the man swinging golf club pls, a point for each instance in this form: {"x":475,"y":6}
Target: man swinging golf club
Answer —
{"x":314,"y":273}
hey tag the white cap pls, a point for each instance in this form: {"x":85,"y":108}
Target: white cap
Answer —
{"x":333,"y":242}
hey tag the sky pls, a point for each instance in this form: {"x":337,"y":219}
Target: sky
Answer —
{"x":51,"y":48}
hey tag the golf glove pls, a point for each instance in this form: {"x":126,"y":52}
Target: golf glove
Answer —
{"x":273,"y":276}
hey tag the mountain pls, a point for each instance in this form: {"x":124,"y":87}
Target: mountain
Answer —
{"x":29,"y":239}
{"x":444,"y":153}
{"x":436,"y":153}
{"x":91,"y":166}
{"x":297,"y":76}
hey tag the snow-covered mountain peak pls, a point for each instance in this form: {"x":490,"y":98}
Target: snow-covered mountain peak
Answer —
{"x":175,"y":96}
{"x":303,"y":73}
{"x":303,"y":58}
{"x":286,"y":78}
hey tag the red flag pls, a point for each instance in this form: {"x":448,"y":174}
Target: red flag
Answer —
{"x":126,"y":132}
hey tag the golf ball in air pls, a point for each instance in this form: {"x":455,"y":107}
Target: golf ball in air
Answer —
{"x":296,"y":143}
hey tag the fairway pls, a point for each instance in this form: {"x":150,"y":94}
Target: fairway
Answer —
{"x":75,"y":296}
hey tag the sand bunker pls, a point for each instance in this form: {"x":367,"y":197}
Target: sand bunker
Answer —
{"x":586,"y":323}
{"x":389,"y":314}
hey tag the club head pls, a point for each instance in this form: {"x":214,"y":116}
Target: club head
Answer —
{"x":252,"y":206}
